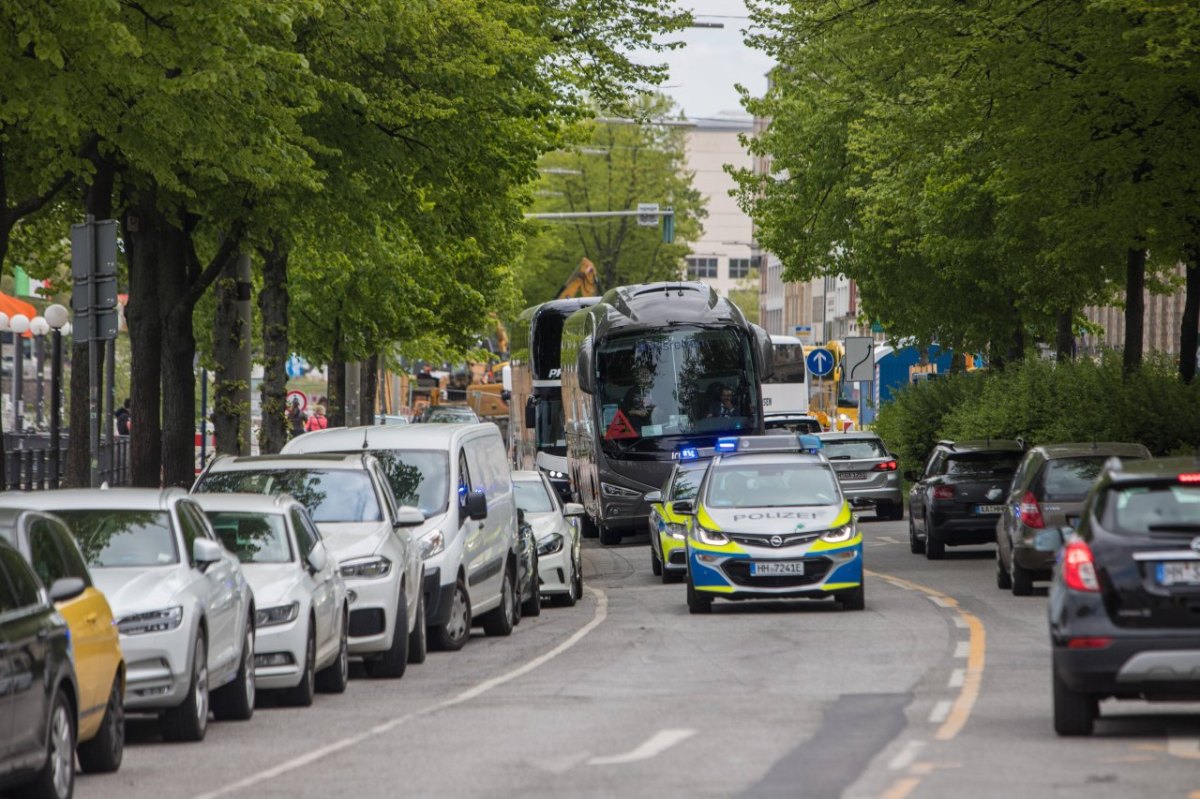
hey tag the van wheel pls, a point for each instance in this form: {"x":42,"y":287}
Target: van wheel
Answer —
{"x":418,"y":644}
{"x":390,"y":665}
{"x":56,"y":780}
{"x":500,"y":621}
{"x":608,"y":536}
{"x":451,"y":636}
{"x":189,"y":721}
{"x":334,"y":677}
{"x":103,"y":753}
{"x":235,"y":702}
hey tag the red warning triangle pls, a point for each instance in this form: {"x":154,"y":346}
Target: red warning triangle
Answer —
{"x":620,"y":427}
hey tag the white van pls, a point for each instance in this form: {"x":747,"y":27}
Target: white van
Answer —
{"x":458,"y":476}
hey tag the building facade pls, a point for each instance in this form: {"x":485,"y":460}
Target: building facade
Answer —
{"x":1160,"y":328}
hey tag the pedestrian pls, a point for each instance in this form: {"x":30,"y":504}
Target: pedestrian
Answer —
{"x":123,"y":416}
{"x":317,"y":421}
{"x":297,"y":418}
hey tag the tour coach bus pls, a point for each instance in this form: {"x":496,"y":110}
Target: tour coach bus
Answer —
{"x":536,"y":435}
{"x":648,"y":372}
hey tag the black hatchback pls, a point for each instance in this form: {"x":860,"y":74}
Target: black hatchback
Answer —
{"x":38,"y":691}
{"x":1125,"y":596}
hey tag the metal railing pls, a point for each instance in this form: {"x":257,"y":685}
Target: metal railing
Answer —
{"x":28,"y":463}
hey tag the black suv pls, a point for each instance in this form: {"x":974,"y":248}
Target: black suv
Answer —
{"x":38,"y":692}
{"x":960,"y":495}
{"x":1125,"y":597}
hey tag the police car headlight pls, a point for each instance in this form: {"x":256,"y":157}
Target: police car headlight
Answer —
{"x":710,"y":537}
{"x":677,"y":531}
{"x":838,"y":535}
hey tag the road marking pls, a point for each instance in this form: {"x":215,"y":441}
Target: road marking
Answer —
{"x":957,"y":677}
{"x":940,"y":711}
{"x":1187,"y":748}
{"x":889,"y":539}
{"x":922,"y":769}
{"x":963,"y":648}
{"x":941,"y":603}
{"x":908,"y":754}
{"x":960,"y":623}
{"x":658,"y":743}
{"x":901,"y":788}
{"x":387,"y":726}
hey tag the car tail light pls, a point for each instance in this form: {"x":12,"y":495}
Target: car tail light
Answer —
{"x":886,"y":466}
{"x":1079,"y":570}
{"x":1031,"y":512}
{"x":1190,"y":477}
{"x":943,"y":492}
{"x":1088,"y":643}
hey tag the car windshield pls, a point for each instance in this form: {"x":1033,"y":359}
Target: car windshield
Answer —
{"x":334,"y":495}
{"x":1069,"y":479}
{"x":986,"y":463}
{"x":113,"y":538}
{"x":794,"y":424}
{"x":742,"y":485}
{"x":420,"y":478}
{"x":253,"y":537}
{"x":532,"y":496}
{"x":687,"y":483}
{"x":854,"y":449}
{"x":451,"y":416}
{"x":1156,"y":509}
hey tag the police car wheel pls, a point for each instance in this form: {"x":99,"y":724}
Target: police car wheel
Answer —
{"x":655,"y":564}
{"x":854,"y":599}
{"x":697,"y":602}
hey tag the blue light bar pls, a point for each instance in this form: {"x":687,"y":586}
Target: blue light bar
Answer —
{"x":727,"y":444}
{"x":688,"y":453}
{"x":811,"y":443}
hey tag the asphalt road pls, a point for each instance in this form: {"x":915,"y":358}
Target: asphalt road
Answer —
{"x":941,"y":688}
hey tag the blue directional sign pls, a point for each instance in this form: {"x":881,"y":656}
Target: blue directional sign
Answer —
{"x":296,"y":366}
{"x":819,"y":361}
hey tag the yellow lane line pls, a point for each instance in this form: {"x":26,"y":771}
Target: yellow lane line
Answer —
{"x":903,"y":787}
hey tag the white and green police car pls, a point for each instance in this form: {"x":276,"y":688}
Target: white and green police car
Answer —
{"x":771,"y":522}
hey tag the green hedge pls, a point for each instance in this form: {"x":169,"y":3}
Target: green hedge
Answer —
{"x":1044,"y":403}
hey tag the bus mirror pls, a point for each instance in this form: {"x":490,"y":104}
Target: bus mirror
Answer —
{"x":583,"y":367}
{"x":530,"y":413}
{"x":766,"y":352}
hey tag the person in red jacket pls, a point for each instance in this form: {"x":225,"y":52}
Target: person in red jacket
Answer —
{"x":317,"y":421}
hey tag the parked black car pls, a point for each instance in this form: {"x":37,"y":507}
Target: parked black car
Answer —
{"x":529,"y":599}
{"x":38,"y":690}
{"x":1125,"y":596}
{"x":959,"y":496}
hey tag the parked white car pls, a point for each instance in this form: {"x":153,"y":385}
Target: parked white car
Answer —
{"x":457,"y":475}
{"x":302,"y":615}
{"x":555,"y":529}
{"x":349,"y":499}
{"x":182,"y":604}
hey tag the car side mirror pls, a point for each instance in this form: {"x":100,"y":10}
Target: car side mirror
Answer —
{"x":65,"y":588}
{"x":683,"y":507}
{"x":653,"y":496}
{"x":317,"y":558}
{"x":206,"y":551}
{"x":1050,"y":540}
{"x":477,"y":506}
{"x":572,"y":509}
{"x":408,"y":516}
{"x":911,"y":476}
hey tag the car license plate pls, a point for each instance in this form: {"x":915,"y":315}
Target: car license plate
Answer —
{"x":777,"y":567}
{"x":1179,"y":572}
{"x":988,"y":510}
{"x":852,"y":475}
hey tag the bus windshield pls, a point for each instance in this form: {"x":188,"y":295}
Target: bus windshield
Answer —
{"x":548,"y":416}
{"x":672,"y":382}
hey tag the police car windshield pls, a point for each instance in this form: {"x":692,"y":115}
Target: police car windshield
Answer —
{"x":755,"y":485}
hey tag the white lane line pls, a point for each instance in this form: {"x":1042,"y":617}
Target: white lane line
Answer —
{"x":889,"y":539}
{"x":957,"y":678}
{"x":962,"y":649}
{"x":961,"y":624}
{"x":658,"y":743}
{"x":1185,"y":747}
{"x":940,"y":711}
{"x":907,"y":755}
{"x":937,"y":600}
{"x":387,"y":726}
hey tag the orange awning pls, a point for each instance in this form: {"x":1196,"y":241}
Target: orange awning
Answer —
{"x":12,"y":306}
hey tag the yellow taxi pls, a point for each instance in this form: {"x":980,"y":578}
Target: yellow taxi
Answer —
{"x":99,"y":666}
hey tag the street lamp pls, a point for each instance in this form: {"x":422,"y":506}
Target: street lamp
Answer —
{"x":57,"y":317}
{"x":20,"y":326}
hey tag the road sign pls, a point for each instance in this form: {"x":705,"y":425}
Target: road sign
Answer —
{"x":648,"y":214}
{"x":296,"y":366}
{"x":859,"y":361}
{"x":803,"y":330}
{"x":297,"y":396}
{"x":819,"y":361}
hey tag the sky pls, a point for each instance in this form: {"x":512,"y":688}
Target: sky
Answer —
{"x":704,"y":72}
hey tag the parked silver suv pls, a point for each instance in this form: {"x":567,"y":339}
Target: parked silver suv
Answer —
{"x":868,"y":473}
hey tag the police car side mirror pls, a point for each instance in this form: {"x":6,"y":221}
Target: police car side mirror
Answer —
{"x":1050,"y":540}
{"x":653,"y":496}
{"x":683,"y":507}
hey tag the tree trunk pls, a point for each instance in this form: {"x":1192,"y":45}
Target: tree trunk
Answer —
{"x":1064,"y":340}
{"x":227,"y":336}
{"x":336,"y":410}
{"x":368,"y":382}
{"x":273,"y":305}
{"x":1191,"y":317}
{"x":1135,"y":308}
{"x":176,"y":363}
{"x":144,"y":228}
{"x":1016,"y":344}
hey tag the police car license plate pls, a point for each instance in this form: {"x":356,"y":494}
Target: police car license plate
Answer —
{"x":767,"y":568}
{"x":988,"y":510}
{"x":1182,"y":572}
{"x":852,"y":475}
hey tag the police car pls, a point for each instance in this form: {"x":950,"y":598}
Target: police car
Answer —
{"x":770,"y":522}
{"x":668,"y":529}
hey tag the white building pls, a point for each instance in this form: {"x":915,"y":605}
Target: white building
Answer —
{"x":725,"y":256}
